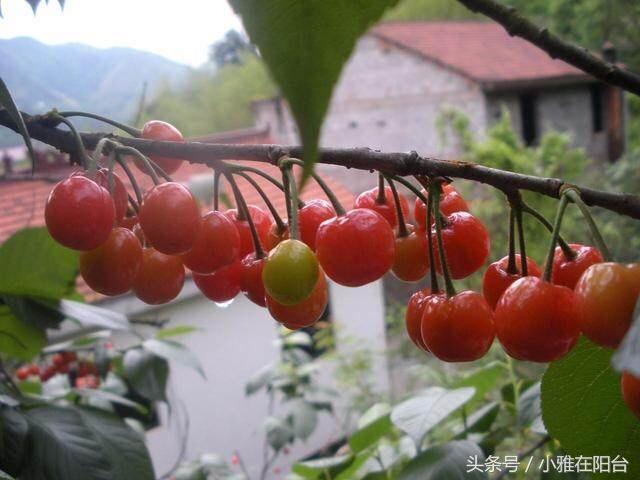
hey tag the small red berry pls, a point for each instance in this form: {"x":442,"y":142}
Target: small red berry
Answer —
{"x":497,"y":279}
{"x":216,"y":245}
{"x":118,"y":193}
{"x":450,"y":202}
{"x":157,"y":130}
{"x":23,"y":372}
{"x":413,"y":317}
{"x":355,"y":248}
{"x":566,"y":271}
{"x":305,"y":313}
{"x":160,"y":277}
{"x":251,"y":283}
{"x":411,"y":261}
{"x":387,"y":208}
{"x":79,"y":213}
{"x":170,"y":218}
{"x":630,"y":386}
{"x":262,"y":222}
{"x":222,"y":285}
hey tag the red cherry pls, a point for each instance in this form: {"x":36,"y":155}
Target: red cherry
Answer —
{"x":88,"y":381}
{"x":630,"y":386}
{"x":34,"y":369}
{"x":170,"y":218}
{"x":79,"y":213}
{"x":48,"y":372}
{"x":457,"y":329}
{"x":305,"y":313}
{"x":411,"y":261}
{"x":216,"y":245}
{"x":537,"y":320}
{"x":413,"y":317}
{"x":69,"y":356}
{"x":23,"y":373}
{"x":607,"y":294}
{"x":262,"y":222}
{"x":234,"y":459}
{"x":251,"y":282}
{"x":450,"y":202}
{"x":466,"y":244}
{"x":310,"y":217}
{"x":118,"y":194}
{"x":355,"y":248}
{"x":111,"y":268}
{"x":222,"y":285}
{"x":58,"y":360}
{"x":160,"y":277}
{"x":566,"y":271}
{"x":497,"y":279}
{"x":274,"y":237}
{"x":369,"y":199}
{"x":129,"y":222}
{"x":157,"y":130}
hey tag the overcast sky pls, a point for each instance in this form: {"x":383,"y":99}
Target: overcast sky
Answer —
{"x":181,"y":30}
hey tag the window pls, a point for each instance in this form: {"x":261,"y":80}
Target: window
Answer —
{"x":597,"y":119}
{"x":528,"y":118}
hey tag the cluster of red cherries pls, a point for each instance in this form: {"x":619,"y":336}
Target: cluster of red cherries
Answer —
{"x":534,"y":319}
{"x":84,"y":374}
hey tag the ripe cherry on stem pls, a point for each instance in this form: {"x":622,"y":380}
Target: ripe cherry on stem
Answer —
{"x":160,"y":277}
{"x":222,"y":285}
{"x":411,"y":262}
{"x":536,"y":320}
{"x":157,"y":130}
{"x":382,"y":201}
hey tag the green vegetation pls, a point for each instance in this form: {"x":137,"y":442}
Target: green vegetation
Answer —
{"x":429,"y":10}
{"x":214,"y":101}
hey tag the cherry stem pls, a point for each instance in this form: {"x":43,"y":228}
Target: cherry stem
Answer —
{"x":511,"y":265}
{"x":133,"y":203}
{"x":111,"y":163}
{"x":566,"y":249}
{"x":242,"y":207}
{"x":265,"y":175}
{"x":574,"y":195}
{"x":274,"y":212}
{"x":216,"y":189}
{"x":291,"y":197}
{"x":428,"y":201}
{"x":88,"y":163}
{"x":147,"y":163}
{"x":562,"y":206}
{"x":435,"y":191}
{"x":337,"y":206}
{"x":524,"y":268}
{"x":134,"y":132}
{"x":381,"y":198}
{"x":130,"y":176}
{"x":402,"y":226}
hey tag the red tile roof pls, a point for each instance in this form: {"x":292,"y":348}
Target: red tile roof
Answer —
{"x":22,"y":200}
{"x":482,"y":51}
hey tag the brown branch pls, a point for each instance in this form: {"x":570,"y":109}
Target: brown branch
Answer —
{"x":402,"y":164}
{"x":518,"y":25}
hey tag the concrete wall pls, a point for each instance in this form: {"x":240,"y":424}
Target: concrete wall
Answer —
{"x":387,"y":99}
{"x":565,"y":110}
{"x":232,"y":344}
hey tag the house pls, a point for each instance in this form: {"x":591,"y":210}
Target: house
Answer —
{"x":403,"y":75}
{"x":233,"y":340}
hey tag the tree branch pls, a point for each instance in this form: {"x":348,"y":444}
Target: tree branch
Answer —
{"x":518,"y":25}
{"x":402,"y":164}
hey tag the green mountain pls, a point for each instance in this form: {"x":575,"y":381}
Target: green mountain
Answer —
{"x":78,"y":77}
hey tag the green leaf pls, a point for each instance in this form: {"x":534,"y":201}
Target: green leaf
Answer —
{"x":147,"y":373}
{"x":62,"y":447}
{"x":88,"y":315}
{"x":323,"y":467}
{"x":83,"y":443}
{"x":304,"y":418}
{"x":479,"y":421}
{"x":165,"y":333}
{"x":483,"y":380}
{"x":305,"y":44}
{"x":33,"y":264}
{"x":373,"y":425}
{"x":124,"y":447}
{"x":627,"y":357}
{"x":18,"y":339}
{"x":13,"y":440}
{"x":259,"y":379}
{"x":33,"y":313}
{"x":278,"y":433}
{"x":417,"y":415}
{"x":582,"y":407}
{"x":110,"y":397}
{"x":529,"y":406}
{"x":6,"y":101}
{"x":174,"y":351}
{"x":448,"y":461}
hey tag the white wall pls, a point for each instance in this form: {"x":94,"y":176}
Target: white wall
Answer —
{"x":232,"y":344}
